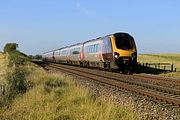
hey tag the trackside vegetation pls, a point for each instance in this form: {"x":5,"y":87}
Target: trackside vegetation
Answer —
{"x":15,"y":75}
{"x":36,"y":94}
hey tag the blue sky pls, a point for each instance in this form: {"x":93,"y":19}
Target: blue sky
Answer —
{"x":42,"y":25}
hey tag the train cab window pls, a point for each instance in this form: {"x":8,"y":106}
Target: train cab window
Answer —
{"x":123,"y":41}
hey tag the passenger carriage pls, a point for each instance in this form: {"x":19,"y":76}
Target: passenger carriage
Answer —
{"x":115,"y":51}
{"x":76,"y":55}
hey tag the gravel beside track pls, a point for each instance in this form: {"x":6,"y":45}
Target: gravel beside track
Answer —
{"x":162,"y":94}
{"x":146,"y":108}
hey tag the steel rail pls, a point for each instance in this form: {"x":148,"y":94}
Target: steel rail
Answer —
{"x":132,"y":82}
{"x":121,"y":85}
{"x":177,"y":81}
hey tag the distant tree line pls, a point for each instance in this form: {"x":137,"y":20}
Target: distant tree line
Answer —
{"x":39,"y":57}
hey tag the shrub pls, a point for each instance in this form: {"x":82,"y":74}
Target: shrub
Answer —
{"x":53,"y":83}
{"x":9,"y":47}
{"x":16,"y":81}
{"x":15,"y":59}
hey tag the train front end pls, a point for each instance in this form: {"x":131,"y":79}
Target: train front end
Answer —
{"x":124,"y":51}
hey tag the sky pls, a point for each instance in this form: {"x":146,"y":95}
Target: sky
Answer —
{"x":42,"y":25}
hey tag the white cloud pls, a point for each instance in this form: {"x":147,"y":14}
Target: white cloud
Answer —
{"x":84,"y":10}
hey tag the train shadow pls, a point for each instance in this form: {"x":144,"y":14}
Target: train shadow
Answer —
{"x":149,"y":70}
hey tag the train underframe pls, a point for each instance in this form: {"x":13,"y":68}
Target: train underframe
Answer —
{"x":124,"y":66}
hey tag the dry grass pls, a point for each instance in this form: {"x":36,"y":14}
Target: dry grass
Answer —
{"x":55,"y":96}
{"x":3,"y":68}
{"x":162,"y":58}
{"x":172,"y":75}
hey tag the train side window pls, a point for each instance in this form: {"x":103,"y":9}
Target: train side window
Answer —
{"x":87,"y":49}
{"x":93,"y":48}
{"x":96,"y":47}
{"x":76,"y":51}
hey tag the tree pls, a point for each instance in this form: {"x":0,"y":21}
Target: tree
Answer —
{"x":10,"y":47}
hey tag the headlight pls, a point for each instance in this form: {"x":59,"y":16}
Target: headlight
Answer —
{"x":134,"y":55}
{"x":116,"y":55}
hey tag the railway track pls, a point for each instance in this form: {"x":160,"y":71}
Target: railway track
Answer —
{"x":125,"y":82}
{"x":173,"y":81}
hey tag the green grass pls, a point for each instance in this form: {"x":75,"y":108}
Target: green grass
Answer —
{"x":56,"y":97}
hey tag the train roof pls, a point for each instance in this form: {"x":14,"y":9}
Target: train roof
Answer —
{"x":51,"y":51}
{"x":76,"y":44}
{"x":92,"y":40}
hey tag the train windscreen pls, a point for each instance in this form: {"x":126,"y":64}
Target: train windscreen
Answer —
{"x":123,"y":41}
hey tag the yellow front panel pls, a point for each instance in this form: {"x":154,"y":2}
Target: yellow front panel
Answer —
{"x":123,"y":53}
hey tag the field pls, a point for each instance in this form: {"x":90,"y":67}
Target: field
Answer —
{"x":162,"y":58}
{"x":52,"y":96}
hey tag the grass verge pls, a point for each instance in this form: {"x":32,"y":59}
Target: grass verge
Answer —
{"x":56,"y":97}
{"x":162,"y":58}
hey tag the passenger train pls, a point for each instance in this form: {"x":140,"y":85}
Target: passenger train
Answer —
{"x":112,"y":52}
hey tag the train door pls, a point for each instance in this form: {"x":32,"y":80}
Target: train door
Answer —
{"x":107,"y":49}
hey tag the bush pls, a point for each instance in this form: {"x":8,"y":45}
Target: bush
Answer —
{"x":16,"y":78}
{"x":10,"y":47}
{"x":17,"y":82}
{"x":15,"y":57}
{"x":53,"y":83}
